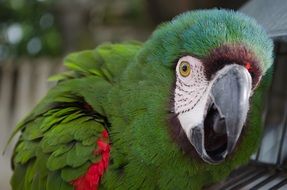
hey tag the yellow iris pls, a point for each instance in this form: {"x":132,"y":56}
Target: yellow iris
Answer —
{"x":184,"y":68}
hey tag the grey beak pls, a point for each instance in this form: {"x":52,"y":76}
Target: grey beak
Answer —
{"x":226,"y":114}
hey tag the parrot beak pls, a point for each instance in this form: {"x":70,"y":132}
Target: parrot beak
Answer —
{"x":226,"y":112}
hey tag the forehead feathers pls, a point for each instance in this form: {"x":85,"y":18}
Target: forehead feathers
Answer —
{"x":199,"y":32}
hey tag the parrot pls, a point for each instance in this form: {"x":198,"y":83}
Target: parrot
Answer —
{"x":178,"y":111}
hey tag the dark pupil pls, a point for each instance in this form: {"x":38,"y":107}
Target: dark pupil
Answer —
{"x":184,"y":68}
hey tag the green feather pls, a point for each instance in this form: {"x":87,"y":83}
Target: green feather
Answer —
{"x":18,"y":178}
{"x":66,"y":186}
{"x":79,"y":155}
{"x":29,"y":176}
{"x":53,"y":181}
{"x":25,"y":151}
{"x":70,"y":173}
{"x":63,"y":149}
{"x":35,"y":182}
{"x":57,"y":162}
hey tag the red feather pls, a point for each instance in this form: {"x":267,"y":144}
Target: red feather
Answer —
{"x":91,"y":179}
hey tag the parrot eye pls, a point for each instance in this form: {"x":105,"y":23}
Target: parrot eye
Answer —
{"x":184,"y":68}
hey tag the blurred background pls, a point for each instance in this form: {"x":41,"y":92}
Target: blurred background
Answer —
{"x":35,"y":35}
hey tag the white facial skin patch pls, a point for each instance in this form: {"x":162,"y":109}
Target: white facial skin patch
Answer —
{"x":217,"y":108}
{"x":190,"y":94}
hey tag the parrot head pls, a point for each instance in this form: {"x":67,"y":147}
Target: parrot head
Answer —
{"x":213,"y":61}
{"x":211,"y":108}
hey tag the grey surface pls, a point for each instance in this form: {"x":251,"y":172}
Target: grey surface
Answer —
{"x":271,"y":14}
{"x":5,"y":163}
{"x":273,"y":149}
{"x":5,"y":167}
{"x":5,"y":173}
{"x":253,"y":177}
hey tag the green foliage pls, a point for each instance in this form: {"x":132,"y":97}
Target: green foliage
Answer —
{"x":30,"y":29}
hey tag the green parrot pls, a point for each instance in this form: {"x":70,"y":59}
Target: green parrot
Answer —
{"x":174,"y":112}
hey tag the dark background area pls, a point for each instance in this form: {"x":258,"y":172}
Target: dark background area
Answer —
{"x":53,"y":28}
